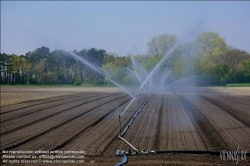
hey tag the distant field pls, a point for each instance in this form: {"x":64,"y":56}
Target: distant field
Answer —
{"x":78,"y":118}
{"x":18,"y":94}
{"x":238,"y":85}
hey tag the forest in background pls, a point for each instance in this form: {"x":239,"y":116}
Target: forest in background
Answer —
{"x":207,"y":55}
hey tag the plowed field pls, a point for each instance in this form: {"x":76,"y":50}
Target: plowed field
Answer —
{"x":195,"y":119}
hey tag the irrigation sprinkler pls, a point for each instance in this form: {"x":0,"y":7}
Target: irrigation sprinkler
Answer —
{"x":129,"y":144}
{"x":121,"y":134}
{"x":133,"y":118}
{"x":138,"y":151}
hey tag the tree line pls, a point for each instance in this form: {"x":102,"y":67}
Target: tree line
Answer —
{"x":208,"y":54}
{"x":43,"y":66}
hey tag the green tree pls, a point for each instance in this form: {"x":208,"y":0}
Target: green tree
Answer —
{"x":179,"y":68}
{"x":4,"y":64}
{"x":118,"y":69}
{"x":210,"y":49}
{"x":210,"y":44}
{"x":93,"y":56}
{"x":160,"y":45}
{"x":247,"y":70}
{"x":19,"y":69}
{"x":149,"y":62}
{"x":234,"y":59}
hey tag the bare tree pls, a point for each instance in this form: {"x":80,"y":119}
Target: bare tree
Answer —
{"x":160,"y":45}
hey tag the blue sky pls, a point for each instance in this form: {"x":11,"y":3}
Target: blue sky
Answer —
{"x":117,"y":26}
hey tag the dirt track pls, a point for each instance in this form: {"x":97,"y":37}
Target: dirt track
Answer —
{"x":201,"y":119}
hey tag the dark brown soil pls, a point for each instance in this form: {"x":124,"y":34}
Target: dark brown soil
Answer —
{"x":174,"y":121}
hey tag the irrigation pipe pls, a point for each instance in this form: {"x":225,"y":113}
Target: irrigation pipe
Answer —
{"x":133,"y":118}
{"x":124,"y":159}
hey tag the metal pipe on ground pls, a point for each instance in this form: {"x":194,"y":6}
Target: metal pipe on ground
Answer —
{"x":128,"y":143}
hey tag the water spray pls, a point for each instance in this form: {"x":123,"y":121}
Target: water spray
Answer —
{"x":138,"y":102}
{"x":138,"y":77}
{"x":159,"y":63}
{"x":100,"y":71}
{"x":122,"y":88}
{"x":165,"y":78}
{"x":128,"y":106}
{"x":144,"y":71}
{"x":139,"y":80}
{"x":121,"y":134}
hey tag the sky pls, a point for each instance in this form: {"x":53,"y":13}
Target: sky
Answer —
{"x":122,"y":27}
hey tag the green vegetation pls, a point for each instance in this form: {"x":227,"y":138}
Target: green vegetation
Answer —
{"x":238,"y":85}
{"x":45,"y":67}
{"x":208,"y":55}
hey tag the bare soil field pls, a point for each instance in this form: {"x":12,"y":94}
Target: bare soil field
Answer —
{"x":19,"y":94}
{"x":86,"y":119}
